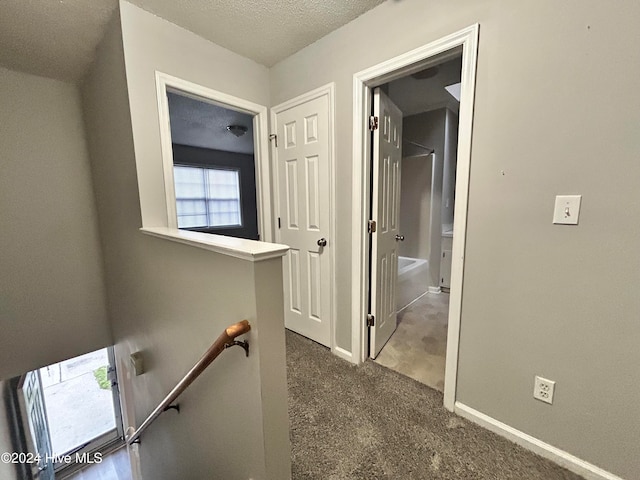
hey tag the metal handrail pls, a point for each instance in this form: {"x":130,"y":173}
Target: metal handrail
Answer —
{"x":225,"y":340}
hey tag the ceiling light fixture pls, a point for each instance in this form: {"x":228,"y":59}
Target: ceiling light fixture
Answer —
{"x":237,"y":130}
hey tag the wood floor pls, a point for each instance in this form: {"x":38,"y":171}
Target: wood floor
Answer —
{"x":114,"y":466}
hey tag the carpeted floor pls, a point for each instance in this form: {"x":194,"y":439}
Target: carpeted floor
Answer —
{"x":368,"y":422}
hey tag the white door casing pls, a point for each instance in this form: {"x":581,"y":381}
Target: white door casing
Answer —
{"x":363,"y":81}
{"x":303,"y":168}
{"x":387,"y":158}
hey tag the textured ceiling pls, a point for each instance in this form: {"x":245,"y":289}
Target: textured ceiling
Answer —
{"x":52,"y":38}
{"x":201,"y":124}
{"x":57,"y":38}
{"x":266,"y":31}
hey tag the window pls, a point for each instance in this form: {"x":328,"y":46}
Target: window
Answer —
{"x":207,"y":197}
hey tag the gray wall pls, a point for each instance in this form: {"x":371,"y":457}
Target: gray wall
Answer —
{"x":449,"y":167}
{"x":415,"y":206}
{"x":170,"y":300}
{"x":7,"y":470}
{"x":557,"y":110}
{"x":152,"y":44}
{"x":52,"y":303}
{"x":428,"y":129}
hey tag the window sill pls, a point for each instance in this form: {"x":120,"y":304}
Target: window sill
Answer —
{"x":250,"y":250}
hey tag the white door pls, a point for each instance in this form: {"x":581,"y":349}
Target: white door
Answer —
{"x":387,"y":157}
{"x":303,"y":170}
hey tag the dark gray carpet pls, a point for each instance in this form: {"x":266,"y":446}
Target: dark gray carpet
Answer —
{"x":370,"y":423}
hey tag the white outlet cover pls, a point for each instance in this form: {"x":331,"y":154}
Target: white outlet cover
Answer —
{"x":567,"y":209}
{"x":543,"y":389}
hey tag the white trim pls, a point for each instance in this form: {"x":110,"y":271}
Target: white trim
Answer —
{"x":329,"y":91}
{"x":342,"y":353}
{"x":166,"y":82}
{"x":362,"y":83}
{"x":251,"y":250}
{"x":556,"y":455}
{"x":435,"y":290}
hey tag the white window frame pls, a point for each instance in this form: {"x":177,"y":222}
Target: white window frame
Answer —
{"x":168,"y":83}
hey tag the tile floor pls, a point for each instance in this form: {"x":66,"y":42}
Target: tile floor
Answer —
{"x":418,"y":347}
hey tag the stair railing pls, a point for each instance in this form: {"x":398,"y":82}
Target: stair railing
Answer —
{"x":226,"y":339}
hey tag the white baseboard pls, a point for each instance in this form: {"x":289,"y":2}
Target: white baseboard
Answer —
{"x":342,"y":353}
{"x":435,"y":290}
{"x":562,"y":458}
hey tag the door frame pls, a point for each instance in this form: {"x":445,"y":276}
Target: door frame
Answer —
{"x":166,"y":82}
{"x":363,"y":84}
{"x":329,"y":91}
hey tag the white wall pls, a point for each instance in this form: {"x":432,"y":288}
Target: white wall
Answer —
{"x":557,"y":109}
{"x":170,"y":300}
{"x":52,"y":303}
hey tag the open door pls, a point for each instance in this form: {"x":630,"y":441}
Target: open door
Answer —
{"x":33,"y":398}
{"x":387,"y":157}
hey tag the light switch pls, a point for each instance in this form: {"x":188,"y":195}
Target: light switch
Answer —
{"x":567,"y":209}
{"x":137,"y":363}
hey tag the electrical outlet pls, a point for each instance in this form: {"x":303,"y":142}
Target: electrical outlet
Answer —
{"x":543,"y":389}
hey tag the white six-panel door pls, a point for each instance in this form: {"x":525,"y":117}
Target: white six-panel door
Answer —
{"x":303,"y":182}
{"x":387,"y":157}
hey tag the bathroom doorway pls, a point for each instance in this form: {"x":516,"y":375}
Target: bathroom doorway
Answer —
{"x":429,"y":101}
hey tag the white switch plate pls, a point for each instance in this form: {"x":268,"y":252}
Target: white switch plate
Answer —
{"x":567,"y":209}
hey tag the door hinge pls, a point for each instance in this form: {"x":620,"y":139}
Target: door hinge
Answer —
{"x":371,"y":320}
{"x":373,"y":123}
{"x":371,"y":226}
{"x":279,"y":223}
{"x":273,"y":136}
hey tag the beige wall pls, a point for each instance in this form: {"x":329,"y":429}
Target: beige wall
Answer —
{"x":169,"y":300}
{"x":557,"y":110}
{"x":52,"y":303}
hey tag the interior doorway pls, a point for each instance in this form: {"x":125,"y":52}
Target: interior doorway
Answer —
{"x":463,"y":42}
{"x":429,"y":102}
